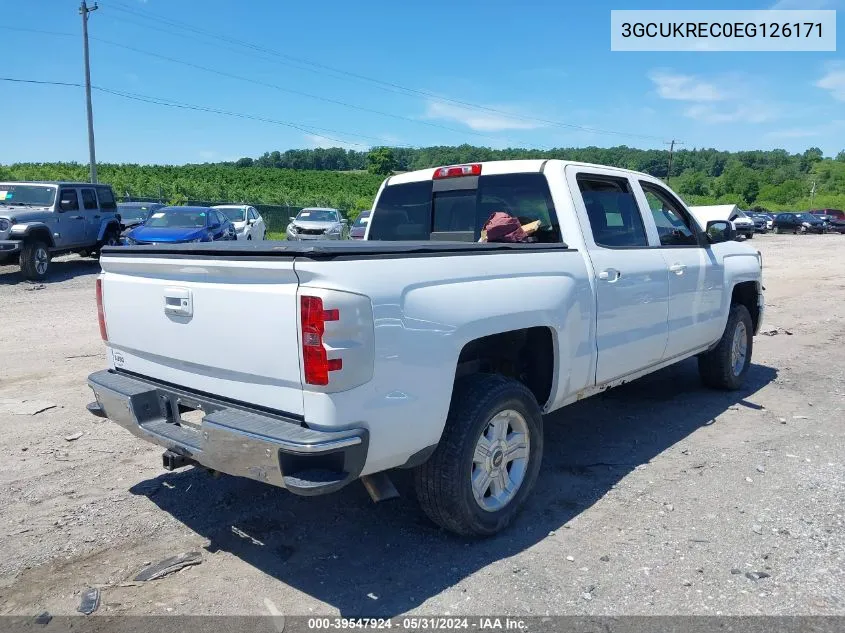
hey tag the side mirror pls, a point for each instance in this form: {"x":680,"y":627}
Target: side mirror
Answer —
{"x":65,"y":205}
{"x":720,"y":231}
{"x":251,"y":222}
{"x":216,"y":225}
{"x":291,"y":218}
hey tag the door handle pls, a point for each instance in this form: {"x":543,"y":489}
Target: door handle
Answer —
{"x":610,"y":275}
{"x":76,"y":217}
{"x":678,"y":269}
{"x":96,"y":217}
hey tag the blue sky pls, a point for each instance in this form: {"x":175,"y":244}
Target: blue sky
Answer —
{"x":531,"y":66}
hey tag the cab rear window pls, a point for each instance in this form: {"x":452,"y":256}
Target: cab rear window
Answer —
{"x":414,"y":211}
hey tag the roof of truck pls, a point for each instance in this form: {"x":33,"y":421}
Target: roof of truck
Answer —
{"x":495,"y":167}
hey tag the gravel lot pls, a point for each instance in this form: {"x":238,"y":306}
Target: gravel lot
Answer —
{"x":655,"y":498}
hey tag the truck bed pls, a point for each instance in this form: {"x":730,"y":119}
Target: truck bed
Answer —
{"x":346,"y":249}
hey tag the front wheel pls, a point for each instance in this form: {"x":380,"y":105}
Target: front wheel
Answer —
{"x":35,"y":260}
{"x":725,"y":366}
{"x":488,"y":458}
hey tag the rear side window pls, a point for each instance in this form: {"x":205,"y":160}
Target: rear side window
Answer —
{"x":413,"y":211}
{"x":89,"y":199}
{"x":614,"y":216}
{"x":107,"y":202}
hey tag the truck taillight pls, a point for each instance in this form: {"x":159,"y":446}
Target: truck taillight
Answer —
{"x":315,"y":360}
{"x":101,"y":313}
{"x":456,"y":171}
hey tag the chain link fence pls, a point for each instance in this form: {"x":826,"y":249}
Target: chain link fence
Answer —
{"x":276,"y":216}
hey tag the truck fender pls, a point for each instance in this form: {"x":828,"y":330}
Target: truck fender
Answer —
{"x":105,"y":225}
{"x":36,"y":228}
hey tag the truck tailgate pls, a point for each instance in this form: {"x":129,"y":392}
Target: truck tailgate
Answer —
{"x":221,"y":326}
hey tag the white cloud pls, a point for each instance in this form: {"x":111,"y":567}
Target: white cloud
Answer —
{"x":207,"y":154}
{"x":678,"y":87}
{"x":479,"y":120}
{"x":325,"y":143}
{"x":834,"y":81}
{"x":794,"y":133}
{"x":742,"y":113}
{"x":832,"y":128}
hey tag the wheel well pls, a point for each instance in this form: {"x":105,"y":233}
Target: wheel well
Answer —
{"x":526,"y":355}
{"x":39,"y":234}
{"x":745,"y":293}
{"x":111,"y":225}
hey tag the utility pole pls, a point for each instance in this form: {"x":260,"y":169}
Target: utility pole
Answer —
{"x":671,"y":145}
{"x":92,"y":159}
{"x":812,"y":195}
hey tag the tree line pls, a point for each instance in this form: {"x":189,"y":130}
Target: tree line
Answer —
{"x":348,"y":179}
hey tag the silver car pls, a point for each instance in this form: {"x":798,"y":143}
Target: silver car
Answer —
{"x":318,"y":224}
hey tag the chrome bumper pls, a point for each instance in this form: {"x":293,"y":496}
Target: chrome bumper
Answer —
{"x":231,"y":438}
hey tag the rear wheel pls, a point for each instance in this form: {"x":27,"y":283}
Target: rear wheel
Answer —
{"x":725,"y":366}
{"x":488,"y":458}
{"x":35,"y":260}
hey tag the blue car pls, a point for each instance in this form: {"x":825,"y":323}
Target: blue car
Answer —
{"x":178,"y":225}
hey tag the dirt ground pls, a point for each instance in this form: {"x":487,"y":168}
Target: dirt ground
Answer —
{"x":655,"y":498}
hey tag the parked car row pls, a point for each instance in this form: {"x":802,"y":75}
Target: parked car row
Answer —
{"x":818,"y":221}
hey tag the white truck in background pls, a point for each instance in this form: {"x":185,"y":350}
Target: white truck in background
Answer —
{"x":420,"y":347}
{"x":743,"y":225}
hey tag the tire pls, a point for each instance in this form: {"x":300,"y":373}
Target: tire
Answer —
{"x":444,"y":483}
{"x":720,"y":368}
{"x":749,"y":236}
{"x":110,"y":238}
{"x":35,"y":260}
{"x":249,"y":237}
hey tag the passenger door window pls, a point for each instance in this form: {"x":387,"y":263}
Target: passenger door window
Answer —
{"x":674,"y":226}
{"x":612,"y":210}
{"x":69,"y":195}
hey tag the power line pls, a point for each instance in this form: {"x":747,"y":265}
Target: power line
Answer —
{"x":395,"y":86}
{"x":314,"y":131}
{"x":280,"y":88}
{"x":389,"y":86}
{"x":266,"y":84}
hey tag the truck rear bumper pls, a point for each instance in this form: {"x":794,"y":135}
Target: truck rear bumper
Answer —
{"x":231,"y":438}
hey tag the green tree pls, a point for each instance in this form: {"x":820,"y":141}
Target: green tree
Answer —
{"x":841,"y":156}
{"x":381,"y":161}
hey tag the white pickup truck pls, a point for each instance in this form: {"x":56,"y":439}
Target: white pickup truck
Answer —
{"x":420,"y":347}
